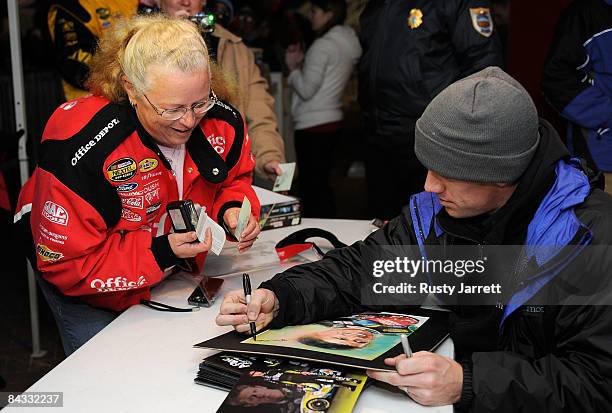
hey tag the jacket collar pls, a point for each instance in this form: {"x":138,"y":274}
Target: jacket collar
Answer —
{"x":210,"y":165}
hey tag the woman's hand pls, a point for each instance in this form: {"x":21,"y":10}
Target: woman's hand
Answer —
{"x":294,"y":56}
{"x":235,"y":312}
{"x":183,"y":245}
{"x":250,"y":232}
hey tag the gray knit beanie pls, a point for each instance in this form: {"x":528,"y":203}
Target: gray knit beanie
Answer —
{"x":483,"y":128}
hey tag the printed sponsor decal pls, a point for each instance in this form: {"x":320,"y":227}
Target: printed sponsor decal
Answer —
{"x":121,"y":170}
{"x":150,"y":175}
{"x":55,"y":213}
{"x":128,"y":187}
{"x":46,"y":254}
{"x":85,"y":148}
{"x":153,"y":208}
{"x":218,"y":143}
{"x":147,"y":164}
{"x":117,"y":284}
{"x":52,"y":236}
{"x":130,"y":216}
{"x":148,"y":187}
{"x":134,"y":202}
{"x":152,"y":196}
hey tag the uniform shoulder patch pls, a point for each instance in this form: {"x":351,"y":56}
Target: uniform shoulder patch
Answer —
{"x":482,"y":20}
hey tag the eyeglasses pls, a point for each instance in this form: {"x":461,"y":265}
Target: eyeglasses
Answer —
{"x":199,"y":108}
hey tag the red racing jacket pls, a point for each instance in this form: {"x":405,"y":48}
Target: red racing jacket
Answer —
{"x":95,"y":206}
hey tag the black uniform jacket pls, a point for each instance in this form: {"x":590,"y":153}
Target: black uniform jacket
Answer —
{"x":412,"y":49}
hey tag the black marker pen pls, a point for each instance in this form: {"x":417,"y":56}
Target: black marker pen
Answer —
{"x":246,"y":285}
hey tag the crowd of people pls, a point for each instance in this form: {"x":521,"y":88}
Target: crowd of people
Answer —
{"x":166,"y":100}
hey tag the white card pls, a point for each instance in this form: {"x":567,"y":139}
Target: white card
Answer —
{"x":283,"y":182}
{"x":218,"y":233}
{"x":243,"y":217}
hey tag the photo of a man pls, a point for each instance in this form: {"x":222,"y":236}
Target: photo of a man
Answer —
{"x":362,"y":336}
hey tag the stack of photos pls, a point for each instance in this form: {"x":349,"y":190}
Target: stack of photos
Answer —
{"x":293,"y":386}
{"x":223,"y":370}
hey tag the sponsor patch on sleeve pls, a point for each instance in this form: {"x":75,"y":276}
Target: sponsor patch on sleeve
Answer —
{"x":55,"y":213}
{"x":121,"y":170}
{"x":148,"y":164}
{"x":47,"y":254}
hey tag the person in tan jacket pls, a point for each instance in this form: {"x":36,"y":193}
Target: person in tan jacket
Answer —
{"x":254,"y":101}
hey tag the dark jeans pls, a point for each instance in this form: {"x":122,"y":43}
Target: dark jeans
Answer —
{"x":393,"y":173}
{"x":315,"y":160}
{"x":76,"y":321}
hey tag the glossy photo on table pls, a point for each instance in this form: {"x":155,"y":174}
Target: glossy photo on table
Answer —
{"x":363,"y":336}
{"x":362,"y":340}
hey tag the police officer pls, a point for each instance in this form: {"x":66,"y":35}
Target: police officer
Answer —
{"x":411,"y":51}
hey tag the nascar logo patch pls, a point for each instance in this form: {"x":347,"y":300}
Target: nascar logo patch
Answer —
{"x":121,"y":170}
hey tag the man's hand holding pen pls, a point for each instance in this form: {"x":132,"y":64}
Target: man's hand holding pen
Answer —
{"x":236,"y":312}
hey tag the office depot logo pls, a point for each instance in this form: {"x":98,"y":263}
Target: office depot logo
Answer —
{"x":85,"y":148}
{"x":218,"y":143}
{"x":55,"y":213}
{"x":117,"y":284}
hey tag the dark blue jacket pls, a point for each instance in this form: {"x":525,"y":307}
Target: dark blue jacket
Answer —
{"x":577,"y":77}
{"x":517,"y":357}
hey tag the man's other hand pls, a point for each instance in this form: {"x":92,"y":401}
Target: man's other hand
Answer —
{"x":428,"y":378}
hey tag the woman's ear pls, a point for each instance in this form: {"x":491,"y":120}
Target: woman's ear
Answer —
{"x":129,"y":89}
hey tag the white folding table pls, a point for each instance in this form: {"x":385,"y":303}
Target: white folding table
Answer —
{"x":144,"y":361}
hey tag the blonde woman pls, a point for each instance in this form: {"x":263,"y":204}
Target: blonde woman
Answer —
{"x":152,"y":132}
